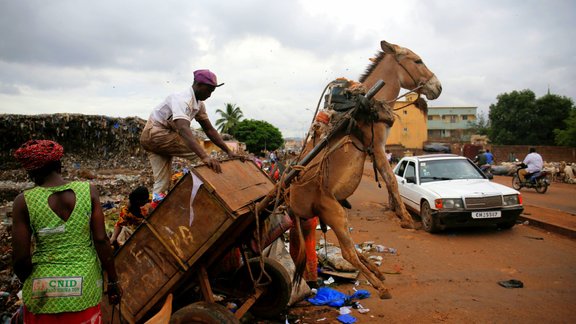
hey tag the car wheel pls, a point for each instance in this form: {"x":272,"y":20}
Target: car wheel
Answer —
{"x":429,"y":223}
{"x":516,"y":182}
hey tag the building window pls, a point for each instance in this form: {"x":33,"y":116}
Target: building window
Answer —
{"x":430,"y":118}
{"x":452,"y":119}
{"x":465,"y":117}
{"x":405,"y":112}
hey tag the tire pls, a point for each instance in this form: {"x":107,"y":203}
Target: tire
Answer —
{"x":429,"y":223}
{"x":274,"y":300}
{"x":541,"y":185}
{"x":203,"y":312}
{"x":516,"y":182}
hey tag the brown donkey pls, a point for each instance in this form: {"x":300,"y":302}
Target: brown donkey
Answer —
{"x":335,"y":173}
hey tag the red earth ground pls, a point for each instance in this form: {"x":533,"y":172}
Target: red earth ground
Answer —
{"x":452,"y":277}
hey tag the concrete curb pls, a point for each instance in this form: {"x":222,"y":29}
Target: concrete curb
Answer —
{"x":558,"y":229}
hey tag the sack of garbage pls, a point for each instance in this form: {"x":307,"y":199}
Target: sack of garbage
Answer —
{"x":332,"y":256}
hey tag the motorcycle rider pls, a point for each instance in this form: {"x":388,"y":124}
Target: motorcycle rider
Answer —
{"x":480,"y":159}
{"x":534,"y":164}
{"x":489,"y":157}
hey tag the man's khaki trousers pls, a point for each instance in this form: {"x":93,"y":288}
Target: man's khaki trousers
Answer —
{"x":161,"y":145}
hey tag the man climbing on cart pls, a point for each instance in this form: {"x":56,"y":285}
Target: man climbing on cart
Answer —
{"x":167,"y":132}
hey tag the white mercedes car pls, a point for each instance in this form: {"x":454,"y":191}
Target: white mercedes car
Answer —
{"x":448,"y":190}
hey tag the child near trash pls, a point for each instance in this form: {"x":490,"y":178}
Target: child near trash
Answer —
{"x":131,"y":215}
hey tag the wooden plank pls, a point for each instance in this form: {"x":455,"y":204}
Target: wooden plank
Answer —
{"x":248,"y":303}
{"x":239,"y":184}
{"x":205,"y":284}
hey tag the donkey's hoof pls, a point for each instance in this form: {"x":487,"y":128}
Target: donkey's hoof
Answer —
{"x":384,"y":293}
{"x":408,"y":224}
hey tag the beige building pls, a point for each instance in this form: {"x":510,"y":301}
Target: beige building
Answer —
{"x":409,"y":129}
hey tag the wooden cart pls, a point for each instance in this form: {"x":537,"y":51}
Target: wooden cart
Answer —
{"x":175,"y":253}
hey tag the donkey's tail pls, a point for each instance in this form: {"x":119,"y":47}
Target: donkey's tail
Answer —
{"x":299,"y":255}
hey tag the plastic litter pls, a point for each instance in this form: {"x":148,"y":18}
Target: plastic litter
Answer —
{"x":384,"y":249}
{"x":347,"y":318}
{"x":334,"y":298}
{"x":232,"y":307}
{"x":512,"y":283}
{"x":345,"y":310}
{"x":329,"y":281}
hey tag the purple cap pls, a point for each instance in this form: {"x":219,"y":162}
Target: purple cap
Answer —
{"x":206,"y":77}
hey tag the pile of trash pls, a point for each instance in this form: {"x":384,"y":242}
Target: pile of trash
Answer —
{"x":334,"y":269}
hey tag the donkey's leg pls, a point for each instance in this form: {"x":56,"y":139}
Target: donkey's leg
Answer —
{"x":333,"y":215}
{"x":393,"y":194}
{"x":373,"y":268}
{"x":385,"y":170}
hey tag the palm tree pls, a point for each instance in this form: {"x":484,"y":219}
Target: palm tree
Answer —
{"x":229,"y":118}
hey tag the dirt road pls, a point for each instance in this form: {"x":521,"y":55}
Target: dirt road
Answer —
{"x":560,"y":196}
{"x":453,"y":277}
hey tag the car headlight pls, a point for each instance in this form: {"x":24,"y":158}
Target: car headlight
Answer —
{"x":510,"y":200}
{"x":450,"y":203}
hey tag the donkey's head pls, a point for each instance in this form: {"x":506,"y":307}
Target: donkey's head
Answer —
{"x":411,"y":71}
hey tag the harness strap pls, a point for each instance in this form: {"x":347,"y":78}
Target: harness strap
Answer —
{"x":375,"y":171}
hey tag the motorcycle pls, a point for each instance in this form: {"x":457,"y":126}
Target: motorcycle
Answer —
{"x":487,"y":170}
{"x":538,"y":180}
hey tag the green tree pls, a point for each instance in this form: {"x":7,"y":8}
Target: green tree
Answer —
{"x":518,"y":118}
{"x":229,"y":118}
{"x":480,"y":126}
{"x":553,"y":111}
{"x":258,"y":135}
{"x":567,"y":136}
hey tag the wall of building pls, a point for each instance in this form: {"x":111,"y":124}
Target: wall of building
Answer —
{"x":450,"y":122}
{"x":409,"y":129}
{"x":549,"y":153}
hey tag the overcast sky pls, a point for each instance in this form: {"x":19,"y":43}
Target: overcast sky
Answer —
{"x":121,"y":58}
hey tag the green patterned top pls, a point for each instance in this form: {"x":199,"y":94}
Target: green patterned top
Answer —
{"x":66,"y":274}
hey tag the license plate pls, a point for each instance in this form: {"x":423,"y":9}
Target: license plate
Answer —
{"x":487,"y":214}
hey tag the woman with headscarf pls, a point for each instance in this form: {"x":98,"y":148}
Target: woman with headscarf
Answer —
{"x":62,"y":274}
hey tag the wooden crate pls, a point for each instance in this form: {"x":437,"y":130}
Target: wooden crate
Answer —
{"x":164,"y":251}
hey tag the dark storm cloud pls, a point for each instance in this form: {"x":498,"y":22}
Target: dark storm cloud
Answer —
{"x":124,"y":34}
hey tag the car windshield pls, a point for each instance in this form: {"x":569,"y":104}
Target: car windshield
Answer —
{"x":440,"y":170}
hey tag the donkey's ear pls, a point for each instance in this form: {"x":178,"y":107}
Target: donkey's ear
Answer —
{"x":387,"y":47}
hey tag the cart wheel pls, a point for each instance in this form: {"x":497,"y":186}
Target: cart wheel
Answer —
{"x":274,"y":300}
{"x":203,"y":312}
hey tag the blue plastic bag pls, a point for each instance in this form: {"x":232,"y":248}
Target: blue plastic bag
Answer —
{"x":347,"y":319}
{"x":334,"y":298}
